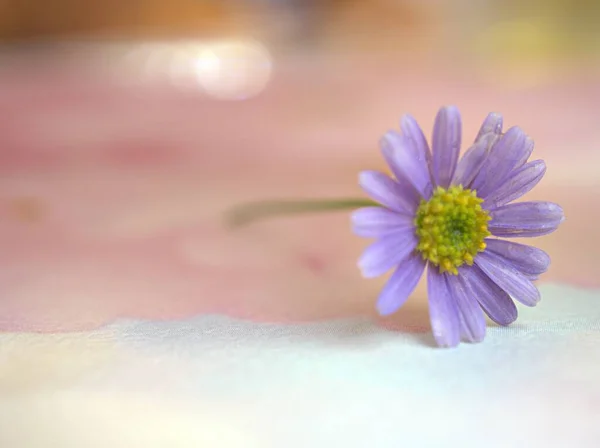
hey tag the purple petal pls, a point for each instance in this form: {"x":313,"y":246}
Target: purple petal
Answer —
{"x":529,"y":144}
{"x":472,"y":161}
{"x":472,"y":320}
{"x":526,"y":219}
{"x":446,"y":145}
{"x":404,"y":160}
{"x":509,"y":278}
{"x":516,"y":185}
{"x":410,"y":193}
{"x":400,"y":285}
{"x":496,"y":303}
{"x":491,"y":125}
{"x":413,"y":132}
{"x":374,"y":222}
{"x":386,"y":191}
{"x":443,"y":313}
{"x":503,"y":158}
{"x":387,"y":252}
{"x":530,"y":260}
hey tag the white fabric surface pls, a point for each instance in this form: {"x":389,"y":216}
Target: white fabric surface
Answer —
{"x":213,"y":381}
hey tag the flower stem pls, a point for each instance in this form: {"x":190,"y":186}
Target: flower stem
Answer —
{"x":247,"y":213}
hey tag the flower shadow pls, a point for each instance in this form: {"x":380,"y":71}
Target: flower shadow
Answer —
{"x":413,"y":321}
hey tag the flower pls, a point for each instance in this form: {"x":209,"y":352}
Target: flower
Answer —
{"x":445,"y":214}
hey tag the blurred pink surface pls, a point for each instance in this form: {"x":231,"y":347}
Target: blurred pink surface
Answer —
{"x":112,"y":195}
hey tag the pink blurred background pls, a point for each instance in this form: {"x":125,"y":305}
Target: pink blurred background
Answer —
{"x":129,"y":129}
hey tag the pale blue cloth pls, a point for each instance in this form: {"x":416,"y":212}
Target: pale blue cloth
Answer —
{"x":218,"y":382}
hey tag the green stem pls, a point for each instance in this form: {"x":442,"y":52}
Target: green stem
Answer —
{"x":247,"y":213}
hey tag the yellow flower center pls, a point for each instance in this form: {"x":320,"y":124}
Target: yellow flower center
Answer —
{"x":451,"y":227}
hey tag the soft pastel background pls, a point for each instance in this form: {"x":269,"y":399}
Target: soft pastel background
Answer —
{"x":131,"y":316}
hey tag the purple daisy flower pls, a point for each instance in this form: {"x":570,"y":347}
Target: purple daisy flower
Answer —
{"x":442,"y":212}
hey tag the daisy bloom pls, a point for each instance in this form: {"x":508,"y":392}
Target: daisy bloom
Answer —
{"x":448,"y":215}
